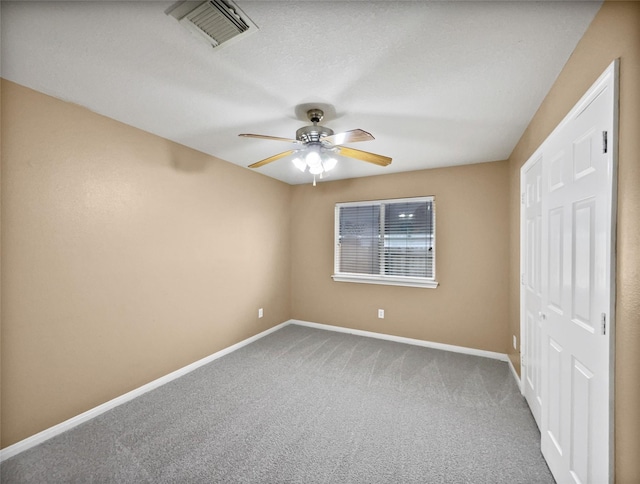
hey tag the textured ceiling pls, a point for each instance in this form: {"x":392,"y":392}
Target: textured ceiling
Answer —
{"x":436,"y":83}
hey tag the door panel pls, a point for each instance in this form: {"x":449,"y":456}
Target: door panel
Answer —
{"x":554,"y":400}
{"x":583,"y":155}
{"x":580,"y":423}
{"x":583,"y":262}
{"x":556,"y":172}
{"x":555,"y":259}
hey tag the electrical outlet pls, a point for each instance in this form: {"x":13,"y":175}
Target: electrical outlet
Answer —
{"x":381,"y":313}
{"x":260,"y":313}
{"x":515,"y":342}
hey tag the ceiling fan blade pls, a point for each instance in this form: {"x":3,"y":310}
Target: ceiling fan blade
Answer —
{"x":348,"y":137}
{"x":364,"y":156}
{"x":275,"y":138}
{"x":272,"y":158}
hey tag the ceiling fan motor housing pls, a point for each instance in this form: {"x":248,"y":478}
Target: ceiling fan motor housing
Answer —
{"x":308,"y":134}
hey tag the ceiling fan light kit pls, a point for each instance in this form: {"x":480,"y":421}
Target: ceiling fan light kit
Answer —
{"x":316,"y":159}
{"x":320,"y":146}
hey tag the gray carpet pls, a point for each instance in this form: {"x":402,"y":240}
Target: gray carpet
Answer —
{"x":308,"y":406}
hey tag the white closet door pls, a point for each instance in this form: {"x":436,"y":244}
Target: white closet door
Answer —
{"x":577,"y":284}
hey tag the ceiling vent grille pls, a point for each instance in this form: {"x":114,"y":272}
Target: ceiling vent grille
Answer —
{"x":215,"y":21}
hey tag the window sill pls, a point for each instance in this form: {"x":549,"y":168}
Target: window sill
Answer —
{"x":386,"y":280}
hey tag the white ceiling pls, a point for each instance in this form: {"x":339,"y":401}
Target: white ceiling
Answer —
{"x":436,"y":83}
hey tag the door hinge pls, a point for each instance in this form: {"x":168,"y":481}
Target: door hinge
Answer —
{"x":604,"y":142}
{"x":522,"y":198}
{"x":522,"y":278}
{"x":603,"y":323}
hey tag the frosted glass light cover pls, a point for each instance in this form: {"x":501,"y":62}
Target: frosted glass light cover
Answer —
{"x":330,"y":163}
{"x":299,"y":164}
{"x":313,"y":159}
{"x":316,"y":169}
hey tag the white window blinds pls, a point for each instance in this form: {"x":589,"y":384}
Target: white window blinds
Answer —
{"x":359,"y":239}
{"x":386,"y":242}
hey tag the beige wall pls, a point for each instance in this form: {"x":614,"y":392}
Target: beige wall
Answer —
{"x":124,"y":257}
{"x":615,"y":32}
{"x":470,"y":306}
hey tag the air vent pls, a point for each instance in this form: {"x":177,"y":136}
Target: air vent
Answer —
{"x":215,"y":21}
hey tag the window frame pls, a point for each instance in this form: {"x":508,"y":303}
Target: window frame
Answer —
{"x":391,"y":280}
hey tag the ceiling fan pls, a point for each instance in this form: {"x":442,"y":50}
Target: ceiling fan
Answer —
{"x":319,"y":146}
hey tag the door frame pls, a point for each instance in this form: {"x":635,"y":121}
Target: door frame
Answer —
{"x":609,"y":77}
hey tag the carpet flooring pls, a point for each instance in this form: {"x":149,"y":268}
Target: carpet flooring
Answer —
{"x":304,"y":405}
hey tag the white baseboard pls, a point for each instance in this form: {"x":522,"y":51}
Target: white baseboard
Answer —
{"x":402,"y":339}
{"x":515,"y":375}
{"x":46,"y":434}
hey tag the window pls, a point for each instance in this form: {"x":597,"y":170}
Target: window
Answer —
{"x":386,"y":242}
